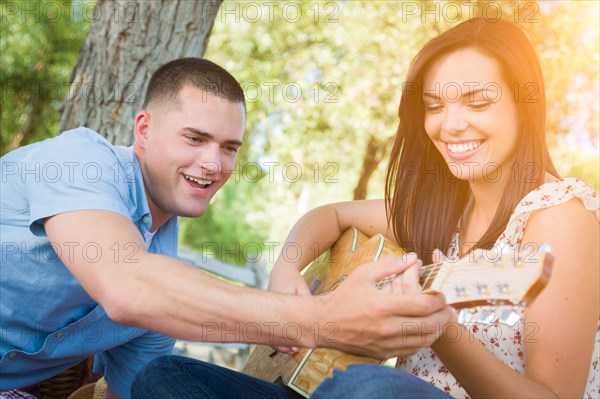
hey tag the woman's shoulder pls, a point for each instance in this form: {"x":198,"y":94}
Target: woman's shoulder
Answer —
{"x":566,"y":208}
{"x":568,"y":194}
{"x":566,"y":201}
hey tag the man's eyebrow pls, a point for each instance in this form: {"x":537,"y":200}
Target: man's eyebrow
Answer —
{"x":435,"y":94}
{"x":210,"y":136}
{"x":198,"y":132}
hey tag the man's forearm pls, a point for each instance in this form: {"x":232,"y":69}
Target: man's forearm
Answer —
{"x":164,"y":295}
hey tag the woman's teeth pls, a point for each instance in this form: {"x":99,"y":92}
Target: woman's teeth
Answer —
{"x":463,"y":147}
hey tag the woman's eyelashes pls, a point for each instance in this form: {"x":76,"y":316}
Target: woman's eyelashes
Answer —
{"x":475,"y":105}
{"x":433,"y":107}
{"x":479,"y":105}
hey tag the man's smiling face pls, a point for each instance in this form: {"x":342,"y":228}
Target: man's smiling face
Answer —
{"x":187,"y":150}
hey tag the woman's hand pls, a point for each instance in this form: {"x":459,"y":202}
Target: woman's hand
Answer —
{"x":287,"y":280}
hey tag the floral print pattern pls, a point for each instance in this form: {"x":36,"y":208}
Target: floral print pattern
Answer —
{"x":502,"y":329}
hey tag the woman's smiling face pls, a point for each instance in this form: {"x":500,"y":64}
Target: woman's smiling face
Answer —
{"x":470,"y":114}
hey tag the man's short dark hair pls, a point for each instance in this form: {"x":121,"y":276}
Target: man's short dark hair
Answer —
{"x":169,"y":79}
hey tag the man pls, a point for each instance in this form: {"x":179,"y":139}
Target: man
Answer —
{"x":89,"y":236}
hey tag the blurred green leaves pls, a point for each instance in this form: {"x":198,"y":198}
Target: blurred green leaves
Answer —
{"x":323,"y":80}
{"x":362,"y":49}
{"x":39,"y":44}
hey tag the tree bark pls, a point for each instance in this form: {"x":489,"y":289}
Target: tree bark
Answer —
{"x":126,"y":43}
{"x":376,"y":150}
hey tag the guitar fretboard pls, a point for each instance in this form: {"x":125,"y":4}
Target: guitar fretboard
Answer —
{"x":427,"y":275}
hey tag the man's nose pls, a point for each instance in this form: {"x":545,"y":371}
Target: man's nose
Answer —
{"x":210,"y":159}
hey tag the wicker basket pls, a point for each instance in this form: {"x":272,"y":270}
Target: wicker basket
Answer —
{"x":65,"y":383}
{"x":96,"y":390}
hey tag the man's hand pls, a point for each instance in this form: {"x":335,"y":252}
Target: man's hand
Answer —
{"x":363,"y":320}
{"x":164,"y":295}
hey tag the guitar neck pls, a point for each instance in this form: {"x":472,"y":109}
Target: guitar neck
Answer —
{"x":484,"y":277}
{"x":428,"y":273}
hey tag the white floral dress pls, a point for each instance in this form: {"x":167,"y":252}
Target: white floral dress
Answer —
{"x":502,"y":329}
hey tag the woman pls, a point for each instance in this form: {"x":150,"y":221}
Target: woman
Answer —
{"x":470,"y":169}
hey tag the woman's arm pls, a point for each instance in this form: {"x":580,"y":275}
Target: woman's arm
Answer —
{"x":565,"y":316}
{"x":316,"y":231}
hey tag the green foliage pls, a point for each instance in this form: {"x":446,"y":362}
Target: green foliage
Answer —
{"x":322,"y":78}
{"x":362,"y":49}
{"x":227,"y":230}
{"x":39,"y":43}
{"x":573,"y":160}
{"x":320,"y":84}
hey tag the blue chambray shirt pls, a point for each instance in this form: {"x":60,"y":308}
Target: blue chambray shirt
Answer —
{"x":48,"y":323}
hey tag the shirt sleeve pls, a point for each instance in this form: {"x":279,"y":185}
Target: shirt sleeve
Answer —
{"x":121,"y":364}
{"x":74,"y":171}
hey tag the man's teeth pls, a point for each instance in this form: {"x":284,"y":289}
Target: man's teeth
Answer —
{"x":199,"y":181}
{"x":463,"y":147}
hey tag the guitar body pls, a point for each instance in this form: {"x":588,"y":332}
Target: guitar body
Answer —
{"x":305,"y":370}
{"x":481,"y":278}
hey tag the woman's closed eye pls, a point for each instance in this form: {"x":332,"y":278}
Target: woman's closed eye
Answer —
{"x":433,"y":107}
{"x":479,"y":105}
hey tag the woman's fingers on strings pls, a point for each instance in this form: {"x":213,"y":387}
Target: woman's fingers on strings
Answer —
{"x":438,"y":256}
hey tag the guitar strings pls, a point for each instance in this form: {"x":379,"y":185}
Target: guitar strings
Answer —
{"x":425,"y":273}
{"x":428,"y":273}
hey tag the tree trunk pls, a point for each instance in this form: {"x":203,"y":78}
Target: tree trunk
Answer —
{"x":126,"y":43}
{"x":376,"y":150}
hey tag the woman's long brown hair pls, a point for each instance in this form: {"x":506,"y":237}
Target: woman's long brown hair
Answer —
{"x":424,"y":201}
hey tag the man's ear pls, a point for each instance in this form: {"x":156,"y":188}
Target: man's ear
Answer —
{"x":140,"y":130}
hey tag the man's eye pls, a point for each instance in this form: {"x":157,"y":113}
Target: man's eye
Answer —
{"x":194,"y":139}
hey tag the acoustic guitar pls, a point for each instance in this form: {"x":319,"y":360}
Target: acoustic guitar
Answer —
{"x":481,"y":278}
